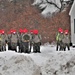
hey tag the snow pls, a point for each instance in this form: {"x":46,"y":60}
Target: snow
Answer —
{"x":13,"y":63}
{"x":66,"y":0}
{"x":37,"y":2}
{"x":49,"y":9}
{"x":48,"y":62}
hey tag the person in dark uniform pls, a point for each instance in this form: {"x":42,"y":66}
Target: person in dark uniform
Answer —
{"x":13,"y":40}
{"x":20,"y":40}
{"x":31,"y":39}
{"x":59,"y":37}
{"x":26,"y":41}
{"x":3,"y":40}
{"x":36,"y":42}
{"x":66,"y":40}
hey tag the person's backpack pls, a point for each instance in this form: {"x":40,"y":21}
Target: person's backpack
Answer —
{"x":26,"y":37}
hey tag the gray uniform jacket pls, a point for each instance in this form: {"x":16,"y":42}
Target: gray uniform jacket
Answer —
{"x":37,"y":38}
{"x":66,"y":39}
{"x":4,"y":38}
{"x":14,"y":38}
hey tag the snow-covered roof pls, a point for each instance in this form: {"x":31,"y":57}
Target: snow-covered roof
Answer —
{"x":72,"y":8}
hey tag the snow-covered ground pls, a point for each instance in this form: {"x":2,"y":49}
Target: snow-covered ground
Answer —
{"x":48,"y":62}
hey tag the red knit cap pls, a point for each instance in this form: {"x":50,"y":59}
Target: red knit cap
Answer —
{"x":35,"y":31}
{"x":25,"y":30}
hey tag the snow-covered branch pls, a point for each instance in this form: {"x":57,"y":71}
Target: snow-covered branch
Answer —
{"x":51,"y":6}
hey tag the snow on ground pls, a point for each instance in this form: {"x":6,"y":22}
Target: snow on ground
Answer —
{"x":48,"y":62}
{"x":12,"y":63}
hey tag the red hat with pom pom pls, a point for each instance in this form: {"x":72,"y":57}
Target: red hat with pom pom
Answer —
{"x":35,"y":31}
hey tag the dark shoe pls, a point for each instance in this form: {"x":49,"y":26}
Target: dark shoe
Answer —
{"x":56,"y":50}
{"x":39,"y":52}
{"x":28,"y":52}
{"x":34,"y":52}
{"x":64,"y":50}
{"x":68,"y":48}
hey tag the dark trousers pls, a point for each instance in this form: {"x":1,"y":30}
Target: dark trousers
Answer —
{"x":13,"y":46}
{"x":62,"y":47}
{"x":9,"y":46}
{"x":67,"y":45}
{"x":31,"y":44}
{"x":25,"y":46}
{"x":36,"y":47}
{"x":20,"y":47}
{"x":2,"y":47}
{"x":58,"y":45}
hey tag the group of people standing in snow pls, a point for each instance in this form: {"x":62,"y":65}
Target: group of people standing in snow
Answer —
{"x":63,"y":40}
{"x":23,"y":39}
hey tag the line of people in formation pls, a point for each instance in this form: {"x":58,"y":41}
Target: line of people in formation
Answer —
{"x":24,"y":39}
{"x":63,"y":40}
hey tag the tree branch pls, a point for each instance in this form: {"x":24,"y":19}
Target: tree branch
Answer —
{"x":53,"y":4}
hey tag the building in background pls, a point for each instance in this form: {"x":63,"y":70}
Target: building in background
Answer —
{"x":72,"y":22}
